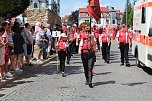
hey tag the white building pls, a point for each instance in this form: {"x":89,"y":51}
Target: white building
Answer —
{"x":108,"y":14}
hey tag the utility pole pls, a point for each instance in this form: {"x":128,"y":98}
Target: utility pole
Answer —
{"x":127,"y":14}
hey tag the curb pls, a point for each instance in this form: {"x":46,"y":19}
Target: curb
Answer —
{"x":3,"y":84}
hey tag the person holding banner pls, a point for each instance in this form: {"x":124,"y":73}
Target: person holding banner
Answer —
{"x":87,"y":51}
{"x":62,"y":52}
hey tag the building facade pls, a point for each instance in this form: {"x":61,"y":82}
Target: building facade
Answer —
{"x":46,"y":11}
{"x":108,"y":14}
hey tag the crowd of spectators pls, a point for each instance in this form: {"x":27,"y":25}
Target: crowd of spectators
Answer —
{"x":17,"y":46}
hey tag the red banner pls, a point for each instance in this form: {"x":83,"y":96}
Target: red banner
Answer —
{"x":94,"y":9}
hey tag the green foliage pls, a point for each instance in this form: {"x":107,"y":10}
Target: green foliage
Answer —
{"x":12,"y":8}
{"x":130,"y":20}
{"x":130,"y":14}
{"x":86,"y":23}
{"x":74,"y":17}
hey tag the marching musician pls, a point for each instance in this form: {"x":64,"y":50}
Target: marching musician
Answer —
{"x":87,"y":51}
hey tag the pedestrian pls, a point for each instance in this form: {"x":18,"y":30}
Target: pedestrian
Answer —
{"x":29,"y":43}
{"x":11,"y":47}
{"x":39,"y":39}
{"x":62,"y":52}
{"x":87,"y":51}
{"x":2,"y":52}
{"x":105,"y":42}
{"x":5,"y":39}
{"x":124,"y":38}
{"x":49,"y":39}
{"x":18,"y":41}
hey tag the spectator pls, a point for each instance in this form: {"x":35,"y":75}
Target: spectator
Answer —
{"x":30,"y":40}
{"x":5,"y":39}
{"x":49,"y":36}
{"x":18,"y":49}
{"x":11,"y":47}
{"x":16,"y":26}
{"x":39,"y":32}
{"x":2,"y":52}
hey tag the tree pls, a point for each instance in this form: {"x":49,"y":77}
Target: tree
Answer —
{"x":130,"y":14}
{"x":12,"y":8}
{"x":86,"y":23}
{"x":74,"y":17}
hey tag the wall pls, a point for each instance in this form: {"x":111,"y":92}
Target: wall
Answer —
{"x":43,"y":15}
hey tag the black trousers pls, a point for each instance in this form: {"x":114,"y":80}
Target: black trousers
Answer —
{"x":98,"y":43}
{"x":124,"y":48}
{"x":106,"y":51}
{"x":62,"y":57}
{"x":73,"y":46}
{"x":88,"y":60}
{"x":68,"y":54}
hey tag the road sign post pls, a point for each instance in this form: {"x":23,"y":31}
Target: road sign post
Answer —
{"x":56,"y":35}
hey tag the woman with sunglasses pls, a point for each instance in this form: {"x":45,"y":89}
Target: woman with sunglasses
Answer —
{"x":87,"y":51}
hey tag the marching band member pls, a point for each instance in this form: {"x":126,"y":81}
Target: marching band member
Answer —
{"x":123,"y":38}
{"x":87,"y":51}
{"x":105,"y":40}
{"x":62,"y":51}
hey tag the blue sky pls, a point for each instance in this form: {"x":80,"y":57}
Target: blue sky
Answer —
{"x":67,"y":6}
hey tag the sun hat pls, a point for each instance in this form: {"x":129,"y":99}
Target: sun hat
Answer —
{"x":63,"y":35}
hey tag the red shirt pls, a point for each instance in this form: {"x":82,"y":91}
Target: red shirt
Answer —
{"x":123,"y":36}
{"x":104,"y":37}
{"x":82,"y":34}
{"x":86,"y":44}
{"x":96,"y":33}
{"x":61,"y":45}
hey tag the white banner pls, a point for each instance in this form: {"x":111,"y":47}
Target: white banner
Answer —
{"x":56,"y":33}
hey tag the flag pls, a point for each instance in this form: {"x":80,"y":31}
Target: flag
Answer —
{"x":94,"y":9}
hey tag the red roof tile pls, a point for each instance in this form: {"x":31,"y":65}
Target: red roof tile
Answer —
{"x":104,"y":9}
{"x":81,"y":10}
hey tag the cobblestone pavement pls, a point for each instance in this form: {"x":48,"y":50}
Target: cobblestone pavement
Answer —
{"x":112,"y":82}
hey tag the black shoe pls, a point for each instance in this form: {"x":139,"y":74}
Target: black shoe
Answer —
{"x":90,"y":85}
{"x":121,"y":64}
{"x":128,"y":64}
{"x":30,"y":64}
{"x":87,"y":83}
{"x":68,"y":62}
{"x":108,"y":62}
{"x":63,"y":74}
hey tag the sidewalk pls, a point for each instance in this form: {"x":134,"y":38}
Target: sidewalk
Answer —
{"x":26,"y":69}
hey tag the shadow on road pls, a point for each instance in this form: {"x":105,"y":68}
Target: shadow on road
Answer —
{"x":104,"y":83}
{"x":106,"y":73}
{"x":1,"y":95}
{"x":134,"y":84}
{"x":15,"y":83}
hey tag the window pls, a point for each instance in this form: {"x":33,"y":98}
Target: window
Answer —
{"x":86,"y":20}
{"x":143,"y":18}
{"x":107,"y":21}
{"x":113,"y":21}
{"x":35,"y":5}
{"x":87,"y":15}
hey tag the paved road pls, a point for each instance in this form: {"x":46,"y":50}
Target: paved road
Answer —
{"x":112,"y":82}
